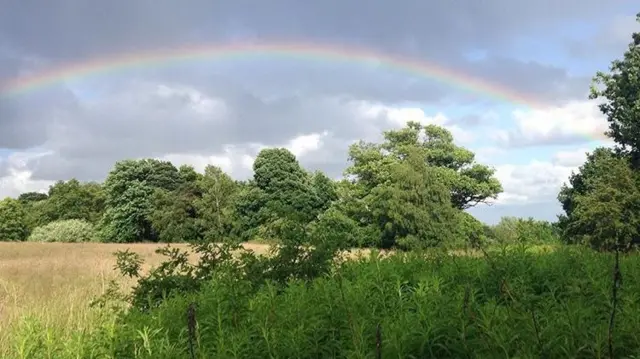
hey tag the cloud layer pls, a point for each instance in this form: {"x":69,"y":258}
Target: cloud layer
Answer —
{"x":223,"y":111}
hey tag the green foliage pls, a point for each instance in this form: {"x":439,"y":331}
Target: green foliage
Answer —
{"x":215,"y":207}
{"x":128,"y":220}
{"x":129,"y":190}
{"x":620,"y":90}
{"x":607,"y":216}
{"x":513,"y":230}
{"x":470,"y":183}
{"x":298,"y":255}
{"x":66,"y":231}
{"x":30,"y":197}
{"x":13,"y":221}
{"x":601,"y":202}
{"x":412,"y":188}
{"x":420,"y":306}
{"x":74,"y":200}
{"x":281,"y":191}
{"x":174,"y":215}
{"x":413,"y":209}
{"x":325,"y":190}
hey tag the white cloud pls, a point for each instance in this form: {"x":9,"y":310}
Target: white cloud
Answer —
{"x":304,"y":144}
{"x":238,"y":160}
{"x":195,"y":100}
{"x":488,"y":154}
{"x":572,"y":158}
{"x":399,"y":116}
{"x":18,"y":177}
{"x":576,"y":121}
{"x":537,"y":181}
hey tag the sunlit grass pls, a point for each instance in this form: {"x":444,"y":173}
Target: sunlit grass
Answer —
{"x":46,"y":288}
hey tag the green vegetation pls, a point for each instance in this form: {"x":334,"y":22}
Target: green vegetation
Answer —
{"x":519,"y":305}
{"x":452,"y":288}
{"x":69,"y":231}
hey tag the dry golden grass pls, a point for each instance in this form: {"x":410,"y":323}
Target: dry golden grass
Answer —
{"x":55,"y":282}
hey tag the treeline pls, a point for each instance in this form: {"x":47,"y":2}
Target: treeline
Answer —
{"x":409,"y":191}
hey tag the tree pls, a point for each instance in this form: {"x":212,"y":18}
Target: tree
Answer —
{"x":13,"y":226}
{"x":74,"y":200}
{"x":30,"y":197}
{"x":325,"y":190}
{"x":129,"y":190}
{"x":281,"y":191}
{"x":512,"y":230}
{"x":620,"y":91}
{"x":470,"y":183}
{"x":607,"y":215}
{"x":413,"y":209}
{"x":35,"y":207}
{"x":174,"y":214}
{"x":216,"y":205}
{"x":596,"y":166}
{"x":67,"y":231}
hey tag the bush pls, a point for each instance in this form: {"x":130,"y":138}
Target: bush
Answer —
{"x":556,"y":305}
{"x":513,"y":230}
{"x":69,"y":231}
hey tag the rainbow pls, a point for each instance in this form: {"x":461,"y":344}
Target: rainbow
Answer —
{"x":298,"y":51}
{"x":288,"y":50}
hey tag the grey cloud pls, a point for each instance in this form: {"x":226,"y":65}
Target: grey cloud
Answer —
{"x":147,"y":122}
{"x":4,"y":168}
{"x":442,"y":31}
{"x":76,"y":28}
{"x":531,"y":80}
{"x":611,"y":39}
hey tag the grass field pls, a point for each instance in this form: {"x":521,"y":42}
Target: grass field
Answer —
{"x":53,"y":283}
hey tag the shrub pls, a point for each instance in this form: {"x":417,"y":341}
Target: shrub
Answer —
{"x":408,"y":305}
{"x":70,"y":230}
{"x":513,"y":230}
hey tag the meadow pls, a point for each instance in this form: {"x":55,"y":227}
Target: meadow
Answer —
{"x":52,"y":284}
{"x":524,"y":302}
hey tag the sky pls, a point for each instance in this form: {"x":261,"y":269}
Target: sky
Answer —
{"x":222,"y":110}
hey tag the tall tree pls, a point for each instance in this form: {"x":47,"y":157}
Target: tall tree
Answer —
{"x":619,"y":91}
{"x":174,"y":214}
{"x":413,"y":208}
{"x":607,"y":214}
{"x":325,"y":190}
{"x":129,"y":189}
{"x":590,"y":206}
{"x":281,"y":191}
{"x":216,"y":205}
{"x":470,"y":183}
{"x":13,"y":226}
{"x":74,"y":200}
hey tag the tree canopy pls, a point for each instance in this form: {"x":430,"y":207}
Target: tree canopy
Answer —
{"x":601,"y":200}
{"x":409,"y":191}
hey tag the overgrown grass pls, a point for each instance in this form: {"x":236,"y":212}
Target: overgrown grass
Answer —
{"x":47,"y":287}
{"x":521,"y":304}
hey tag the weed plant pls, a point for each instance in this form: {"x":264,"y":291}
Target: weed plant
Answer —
{"x":518,"y":304}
